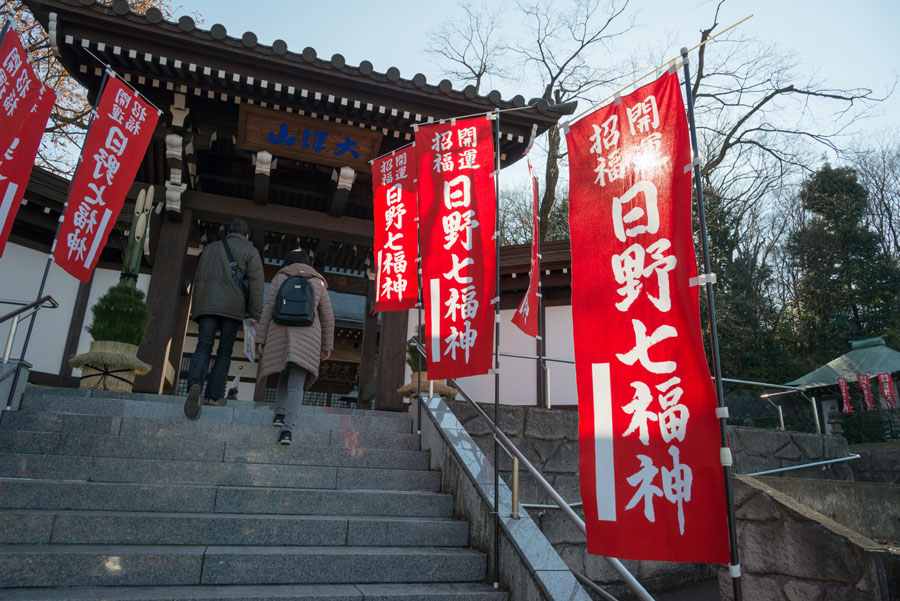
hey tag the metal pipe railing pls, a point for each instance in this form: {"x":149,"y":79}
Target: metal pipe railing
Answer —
{"x":805,"y":465}
{"x":21,"y":314}
{"x":617,"y":565}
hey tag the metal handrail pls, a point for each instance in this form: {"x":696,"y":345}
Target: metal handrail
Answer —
{"x":26,"y":306}
{"x":850,"y":457}
{"x":617,"y":565}
{"x":21,"y":314}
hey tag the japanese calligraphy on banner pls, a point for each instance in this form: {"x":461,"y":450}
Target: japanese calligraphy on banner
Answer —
{"x":887,"y":390}
{"x":526,"y":316}
{"x":866,"y":386}
{"x":394,"y":180}
{"x":115,"y":145}
{"x":845,"y":394}
{"x":18,"y":159}
{"x":457,"y":213}
{"x":19,"y":88}
{"x":651,"y":477}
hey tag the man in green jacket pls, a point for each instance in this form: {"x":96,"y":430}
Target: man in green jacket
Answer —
{"x":219,"y":305}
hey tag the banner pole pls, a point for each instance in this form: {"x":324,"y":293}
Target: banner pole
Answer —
{"x":53,"y":245}
{"x":7,"y":25}
{"x":542,"y":326}
{"x":419,"y":304}
{"x":735,"y":566}
{"x":497,"y":350}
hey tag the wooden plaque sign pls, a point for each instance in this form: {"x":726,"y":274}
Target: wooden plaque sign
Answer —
{"x":292,"y":136}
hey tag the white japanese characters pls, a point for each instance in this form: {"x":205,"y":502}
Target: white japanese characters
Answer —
{"x":643,"y":270}
{"x":394,"y":274}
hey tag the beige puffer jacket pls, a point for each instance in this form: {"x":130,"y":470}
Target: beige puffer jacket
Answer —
{"x":300,"y":345}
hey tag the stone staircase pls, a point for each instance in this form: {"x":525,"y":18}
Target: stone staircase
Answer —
{"x":119,"y":497}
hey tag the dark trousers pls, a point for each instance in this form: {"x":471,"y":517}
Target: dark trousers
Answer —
{"x":208,"y":326}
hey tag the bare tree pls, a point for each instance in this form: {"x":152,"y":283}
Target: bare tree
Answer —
{"x":468,"y":48}
{"x":69,"y":118}
{"x":560,"y":54}
{"x":878,"y":169}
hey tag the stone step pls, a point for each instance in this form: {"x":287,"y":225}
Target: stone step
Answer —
{"x":149,"y":471}
{"x":259,"y":414}
{"x":153,"y":528}
{"x":99,"y":496}
{"x":95,"y":565}
{"x":199,"y":431}
{"x":35,"y":390}
{"x":457,"y":591}
{"x":58,"y":443}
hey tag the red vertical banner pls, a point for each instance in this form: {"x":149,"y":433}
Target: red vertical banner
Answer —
{"x":887,"y":390}
{"x":526,"y":316}
{"x":119,"y":134}
{"x":845,"y":394}
{"x":866,"y":386}
{"x":394,"y":183}
{"x":458,"y":214}
{"x":17,"y":160}
{"x":19,"y":88}
{"x":651,"y":475}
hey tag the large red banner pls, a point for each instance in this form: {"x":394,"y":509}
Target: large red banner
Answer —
{"x":457,"y":212}
{"x":19,"y":87}
{"x":17,"y":161}
{"x":394,"y":183}
{"x":651,"y":476}
{"x":866,"y":386}
{"x":845,"y":395}
{"x":112,"y":153}
{"x":887,"y":390}
{"x":526,"y":316}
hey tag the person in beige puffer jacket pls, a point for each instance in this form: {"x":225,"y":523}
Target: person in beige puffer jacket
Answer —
{"x":295,"y":353}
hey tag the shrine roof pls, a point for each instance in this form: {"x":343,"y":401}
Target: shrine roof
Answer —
{"x":180,"y":56}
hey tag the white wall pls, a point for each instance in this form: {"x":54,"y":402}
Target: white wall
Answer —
{"x":518,"y":378}
{"x":21,"y":270}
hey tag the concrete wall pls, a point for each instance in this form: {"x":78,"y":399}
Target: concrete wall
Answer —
{"x":757,"y":450}
{"x":518,"y":377}
{"x":792,"y":553}
{"x":869,"y":509}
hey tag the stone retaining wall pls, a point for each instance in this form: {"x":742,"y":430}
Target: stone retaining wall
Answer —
{"x":549,"y":439}
{"x":792,"y":553}
{"x":881,"y":466}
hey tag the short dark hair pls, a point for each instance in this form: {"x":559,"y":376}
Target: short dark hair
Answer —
{"x":239,"y":226}
{"x":297,"y":256}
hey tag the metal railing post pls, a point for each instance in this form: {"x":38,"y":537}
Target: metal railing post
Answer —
{"x":515,"y":488}
{"x":9,"y":339}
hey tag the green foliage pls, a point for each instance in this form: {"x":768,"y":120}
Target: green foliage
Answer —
{"x":747,"y":320}
{"x":413,"y":354}
{"x":871,"y":426}
{"x":848,"y":285}
{"x":120,"y":315}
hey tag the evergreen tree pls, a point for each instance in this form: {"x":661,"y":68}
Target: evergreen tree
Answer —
{"x":849,"y":288}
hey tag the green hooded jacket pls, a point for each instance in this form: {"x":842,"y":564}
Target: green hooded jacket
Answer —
{"x":216,"y":292}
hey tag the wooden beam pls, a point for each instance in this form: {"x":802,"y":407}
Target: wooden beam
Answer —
{"x":392,"y":360}
{"x":164,"y":290}
{"x":75,"y":326}
{"x":346,"y":177}
{"x":368,"y":350}
{"x":276,"y":218}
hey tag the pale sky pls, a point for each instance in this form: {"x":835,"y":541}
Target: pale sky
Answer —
{"x":844,"y":44}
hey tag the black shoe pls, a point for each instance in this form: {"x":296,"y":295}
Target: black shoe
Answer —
{"x":279,"y":420}
{"x":284,"y":438}
{"x":192,"y":403}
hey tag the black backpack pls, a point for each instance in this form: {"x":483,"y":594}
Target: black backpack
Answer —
{"x":295,"y":304}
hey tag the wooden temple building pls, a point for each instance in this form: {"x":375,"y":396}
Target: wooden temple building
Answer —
{"x":277,"y":137}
